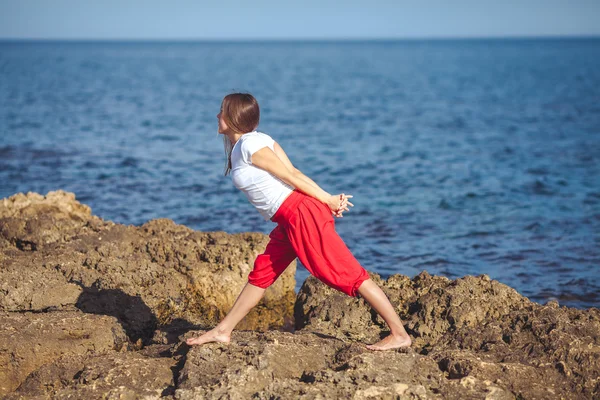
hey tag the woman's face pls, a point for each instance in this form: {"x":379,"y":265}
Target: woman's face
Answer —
{"x":222,"y":125}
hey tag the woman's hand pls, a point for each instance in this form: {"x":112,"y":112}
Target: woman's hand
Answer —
{"x":339,"y":203}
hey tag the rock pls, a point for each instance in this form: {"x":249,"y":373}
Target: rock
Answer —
{"x":92,"y":309}
{"x":307,"y":365}
{"x":472,"y":369}
{"x":430,"y":306}
{"x":319,"y":308}
{"x":31,"y":340}
{"x":250,"y":363}
{"x":31,"y":221}
{"x":465,"y":302}
{"x":531,"y":352}
{"x":111,"y":375}
{"x":535,"y":350}
{"x":57,"y":256}
{"x":476,"y":329}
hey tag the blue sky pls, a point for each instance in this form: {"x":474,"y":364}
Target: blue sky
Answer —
{"x":308,"y":19}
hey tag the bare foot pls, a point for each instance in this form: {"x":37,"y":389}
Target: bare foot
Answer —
{"x":391,"y":342}
{"x":210,"y":336}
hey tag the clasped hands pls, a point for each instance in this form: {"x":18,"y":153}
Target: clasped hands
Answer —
{"x":339,"y":203}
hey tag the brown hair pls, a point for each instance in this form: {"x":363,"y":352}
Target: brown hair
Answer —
{"x":241,"y":114}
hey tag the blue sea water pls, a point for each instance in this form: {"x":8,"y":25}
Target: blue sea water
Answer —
{"x":464,"y":157}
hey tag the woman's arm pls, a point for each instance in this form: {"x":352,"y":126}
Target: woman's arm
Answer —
{"x":305,"y":178}
{"x":286,"y":161}
{"x":266,"y":159}
{"x":344,"y":203}
{"x":279,"y":152}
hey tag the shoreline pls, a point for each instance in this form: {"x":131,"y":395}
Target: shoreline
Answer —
{"x":104,"y":309}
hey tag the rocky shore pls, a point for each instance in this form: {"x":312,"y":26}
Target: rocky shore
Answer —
{"x":92,"y":309}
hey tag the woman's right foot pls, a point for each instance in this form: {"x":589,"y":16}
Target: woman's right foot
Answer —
{"x":391,"y":342}
{"x":210,"y":336}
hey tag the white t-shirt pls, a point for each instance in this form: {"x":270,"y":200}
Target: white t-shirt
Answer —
{"x":265,"y":191}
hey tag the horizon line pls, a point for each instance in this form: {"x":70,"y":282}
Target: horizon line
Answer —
{"x":301,"y":39}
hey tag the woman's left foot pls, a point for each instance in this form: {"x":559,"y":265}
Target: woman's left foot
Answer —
{"x":391,"y":342}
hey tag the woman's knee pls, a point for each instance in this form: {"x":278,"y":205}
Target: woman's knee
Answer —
{"x":351,"y":289}
{"x":266,"y":271}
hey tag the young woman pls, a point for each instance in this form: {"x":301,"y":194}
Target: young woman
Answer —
{"x":304,"y":214}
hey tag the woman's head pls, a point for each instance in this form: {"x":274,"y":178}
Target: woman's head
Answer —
{"x":239,"y":114}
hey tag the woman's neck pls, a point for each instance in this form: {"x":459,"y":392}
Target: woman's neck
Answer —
{"x":234,"y":137}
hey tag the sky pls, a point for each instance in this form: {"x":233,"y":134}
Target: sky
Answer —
{"x":307,"y":19}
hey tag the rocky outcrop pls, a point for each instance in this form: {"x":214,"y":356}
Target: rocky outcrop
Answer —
{"x":307,"y":365}
{"x":430,"y":305}
{"x":57,"y":255}
{"x":475,"y":329}
{"x":29,"y":341}
{"x":31,"y":221}
{"x":92,"y":309}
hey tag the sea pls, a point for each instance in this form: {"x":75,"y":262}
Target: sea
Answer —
{"x":464,"y":157}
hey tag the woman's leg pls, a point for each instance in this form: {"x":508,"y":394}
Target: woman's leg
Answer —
{"x":326,"y":256}
{"x":380,"y":302}
{"x":267,"y":267}
{"x":247,"y":299}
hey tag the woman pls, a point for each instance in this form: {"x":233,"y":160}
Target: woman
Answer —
{"x":305,"y":225}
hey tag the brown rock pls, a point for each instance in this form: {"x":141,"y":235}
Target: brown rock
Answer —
{"x":557,"y":347}
{"x":321,"y":309}
{"x":476,"y":329}
{"x":155,"y":285}
{"x":57,"y":256}
{"x":30,"y":340}
{"x":307,"y":365}
{"x":31,"y":221}
{"x":112,"y":375}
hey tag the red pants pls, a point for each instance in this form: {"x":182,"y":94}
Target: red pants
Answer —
{"x":306,"y":229}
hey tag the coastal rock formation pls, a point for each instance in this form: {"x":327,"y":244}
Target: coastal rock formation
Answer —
{"x":430,"y":306}
{"x":30,"y":221}
{"x":307,"y":365}
{"x":29,"y":341}
{"x":90,"y":309}
{"x":55,"y":255}
{"x":475,"y":328}
{"x":113,"y":375}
